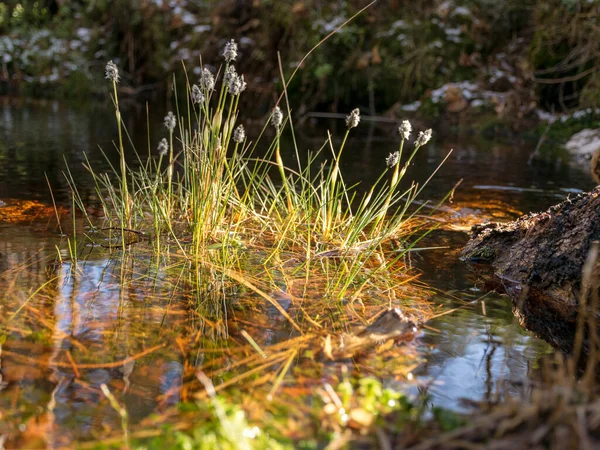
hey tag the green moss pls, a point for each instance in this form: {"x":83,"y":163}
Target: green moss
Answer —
{"x":483,"y":254}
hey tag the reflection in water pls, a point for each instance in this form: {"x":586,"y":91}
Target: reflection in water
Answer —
{"x":37,"y":137}
{"x":87,"y":327}
{"x":476,"y":356}
{"x":478,"y":351}
{"x":76,"y":334}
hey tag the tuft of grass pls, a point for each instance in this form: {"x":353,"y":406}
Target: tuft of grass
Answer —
{"x":211,"y":197}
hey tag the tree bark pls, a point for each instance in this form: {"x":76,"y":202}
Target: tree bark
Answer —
{"x":538,"y":261}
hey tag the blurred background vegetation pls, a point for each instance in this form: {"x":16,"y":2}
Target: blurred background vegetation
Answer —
{"x":507,"y":58}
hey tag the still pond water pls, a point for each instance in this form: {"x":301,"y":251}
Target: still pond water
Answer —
{"x":473,"y":353}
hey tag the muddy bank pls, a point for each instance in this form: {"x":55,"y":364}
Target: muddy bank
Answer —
{"x":538,"y":261}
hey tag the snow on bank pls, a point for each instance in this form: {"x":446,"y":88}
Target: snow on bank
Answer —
{"x":584,"y":143}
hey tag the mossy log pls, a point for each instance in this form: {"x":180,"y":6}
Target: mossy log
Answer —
{"x":538,"y":261}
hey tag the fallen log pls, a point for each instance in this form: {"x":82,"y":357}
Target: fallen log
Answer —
{"x":538,"y":261}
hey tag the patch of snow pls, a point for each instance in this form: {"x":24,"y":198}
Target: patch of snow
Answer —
{"x":453,"y":34}
{"x":445,"y":7}
{"x":184,"y":54}
{"x":54,"y":76}
{"x":546,"y":116}
{"x":584,"y":143}
{"x":398,"y":24}
{"x":461,"y":11}
{"x":83,"y":34}
{"x":549,"y":117}
{"x":332,"y":25}
{"x":394,"y":27}
{"x":188,"y":18}
{"x":412,"y":106}
{"x":496,"y":74}
{"x":202,"y":28}
{"x":467,"y":88}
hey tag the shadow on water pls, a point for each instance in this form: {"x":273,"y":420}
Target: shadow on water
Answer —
{"x":65,"y":341}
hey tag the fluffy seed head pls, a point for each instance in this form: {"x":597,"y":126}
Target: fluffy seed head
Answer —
{"x":239,"y":134}
{"x":231,"y":51}
{"x":163,"y":147}
{"x":236,"y":85}
{"x":197,"y":95}
{"x":353,"y":118}
{"x":112,"y":71}
{"x":404,"y":129}
{"x":207,"y":80}
{"x":392,"y":159}
{"x":277,"y":118}
{"x":170,"y":121}
{"x":229,"y":74}
{"x":423,"y":138}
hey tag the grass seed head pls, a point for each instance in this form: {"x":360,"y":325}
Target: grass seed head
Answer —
{"x":423,"y":138}
{"x":207,"y":80}
{"x":236,"y":85}
{"x":239,"y":134}
{"x":277,"y":118}
{"x":170,"y":121}
{"x":230,"y":52}
{"x":197,"y":95}
{"x":392,"y":159}
{"x":353,"y":119}
{"x":405,"y":129}
{"x":230,"y":72}
{"x":163,"y":147}
{"x":112,"y":71}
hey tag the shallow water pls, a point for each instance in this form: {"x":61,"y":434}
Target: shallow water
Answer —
{"x":474,"y":353}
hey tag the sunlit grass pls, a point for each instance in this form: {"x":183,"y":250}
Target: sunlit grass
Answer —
{"x":233,"y":208}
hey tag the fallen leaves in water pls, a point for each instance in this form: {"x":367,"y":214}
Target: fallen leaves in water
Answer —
{"x":26,"y":211}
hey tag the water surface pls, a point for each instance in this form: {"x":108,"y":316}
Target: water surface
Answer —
{"x":474,"y":352}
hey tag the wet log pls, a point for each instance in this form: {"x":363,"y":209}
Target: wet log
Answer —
{"x":538,"y":261}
